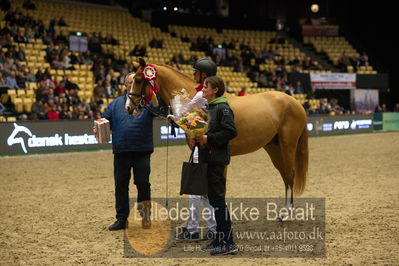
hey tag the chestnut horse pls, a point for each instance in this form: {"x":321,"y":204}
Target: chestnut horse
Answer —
{"x":273,"y":120}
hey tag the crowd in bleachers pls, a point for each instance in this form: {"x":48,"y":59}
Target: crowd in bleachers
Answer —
{"x":250,"y":59}
{"x":59,"y":98}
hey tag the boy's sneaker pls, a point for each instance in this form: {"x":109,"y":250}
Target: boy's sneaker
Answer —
{"x":212,"y":246}
{"x":224,"y":249}
{"x":186,"y":235}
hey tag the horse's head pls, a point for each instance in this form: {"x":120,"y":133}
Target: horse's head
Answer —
{"x":141,"y":87}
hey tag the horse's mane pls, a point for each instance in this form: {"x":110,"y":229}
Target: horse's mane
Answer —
{"x":178,"y":72}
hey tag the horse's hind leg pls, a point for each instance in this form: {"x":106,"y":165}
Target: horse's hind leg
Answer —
{"x":274,"y":151}
{"x":282,"y":154}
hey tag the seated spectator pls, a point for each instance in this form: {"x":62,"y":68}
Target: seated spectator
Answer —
{"x":28,"y":4}
{"x":53,"y":113}
{"x":185,"y":38}
{"x":39,"y":74}
{"x":29,"y":33}
{"x":298,"y":88}
{"x":11,"y":81}
{"x":138,"y":50}
{"x":311,"y":94}
{"x":21,"y":80}
{"x":38,"y":109}
{"x":64,"y":112}
{"x":242,"y":92}
{"x":228,"y":88}
{"x":378,"y":109}
{"x":178,"y":58}
{"x":3,"y":82}
{"x":69,"y":85}
{"x":155,"y":43}
{"x":56,"y":63}
{"x":90,"y":115}
{"x":396,"y":108}
{"x":288,"y":89}
{"x":314,"y":109}
{"x":23,"y":117}
{"x":60,"y":90}
{"x":306,"y":106}
{"x":65,"y":61}
{"x":109,"y":39}
{"x":325,"y":107}
{"x":30,"y":77}
{"x":335,"y":108}
{"x":238,"y":67}
{"x":47,"y":84}
{"x":72,"y":98}
{"x":9,"y":64}
{"x":61,"y":22}
{"x":84,"y":107}
{"x":47,"y":74}
{"x":262,"y":81}
{"x":61,"y":38}
{"x":20,"y":54}
{"x":108,"y":89}
{"x":20,"y":38}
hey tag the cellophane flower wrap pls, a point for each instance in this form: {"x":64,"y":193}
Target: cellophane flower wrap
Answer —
{"x":190,"y":114}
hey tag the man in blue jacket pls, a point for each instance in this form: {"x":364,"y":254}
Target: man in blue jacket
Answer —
{"x":132,"y":145}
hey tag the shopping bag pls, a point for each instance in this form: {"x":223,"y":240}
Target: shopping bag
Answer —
{"x":194,"y":177}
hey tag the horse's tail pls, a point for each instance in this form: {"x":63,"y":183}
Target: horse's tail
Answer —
{"x":301,"y":162}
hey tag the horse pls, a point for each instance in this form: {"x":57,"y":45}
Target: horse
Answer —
{"x":271,"y":120}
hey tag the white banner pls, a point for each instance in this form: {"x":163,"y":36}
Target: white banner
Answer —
{"x":333,"y":81}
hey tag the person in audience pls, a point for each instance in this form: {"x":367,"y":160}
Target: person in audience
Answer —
{"x":298,"y":89}
{"x":99,"y":92}
{"x":53,"y":113}
{"x":242,"y":92}
{"x":11,"y":81}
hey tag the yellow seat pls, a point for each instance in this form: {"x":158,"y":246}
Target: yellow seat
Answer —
{"x":19,"y":108}
{"x":27,"y":105}
{"x":12,"y":93}
{"x":21,"y":93}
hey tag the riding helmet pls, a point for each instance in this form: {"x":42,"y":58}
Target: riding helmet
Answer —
{"x":205,"y":65}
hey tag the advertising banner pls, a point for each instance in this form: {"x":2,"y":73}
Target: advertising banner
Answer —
{"x":390,"y":121}
{"x":333,"y":81}
{"x":324,"y":125}
{"x":29,"y":137}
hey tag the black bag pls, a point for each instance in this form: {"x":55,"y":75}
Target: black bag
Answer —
{"x":194,"y":177}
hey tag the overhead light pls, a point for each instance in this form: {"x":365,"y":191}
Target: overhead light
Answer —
{"x":314,"y":8}
{"x":175,"y":9}
{"x":165,"y":8}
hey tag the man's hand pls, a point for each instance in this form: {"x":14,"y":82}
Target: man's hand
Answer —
{"x":202,"y":140}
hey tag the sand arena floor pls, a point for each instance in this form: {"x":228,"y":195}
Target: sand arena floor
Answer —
{"x":55,"y":208}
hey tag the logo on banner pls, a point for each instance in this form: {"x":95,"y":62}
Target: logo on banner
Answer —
{"x":58,"y":139}
{"x":13,"y":140}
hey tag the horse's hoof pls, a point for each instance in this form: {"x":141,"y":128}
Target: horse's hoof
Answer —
{"x":285,"y":222}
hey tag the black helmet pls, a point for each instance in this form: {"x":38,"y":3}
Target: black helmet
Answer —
{"x":205,"y":65}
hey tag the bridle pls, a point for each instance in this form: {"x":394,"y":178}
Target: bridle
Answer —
{"x":143,"y":101}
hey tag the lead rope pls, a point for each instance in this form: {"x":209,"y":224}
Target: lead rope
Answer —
{"x":167,"y":163}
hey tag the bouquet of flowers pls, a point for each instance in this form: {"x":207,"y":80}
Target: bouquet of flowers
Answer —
{"x":189,"y":114}
{"x":195,"y":123}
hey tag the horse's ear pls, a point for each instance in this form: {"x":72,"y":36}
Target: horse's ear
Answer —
{"x":142,"y":62}
{"x":136,"y":65}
